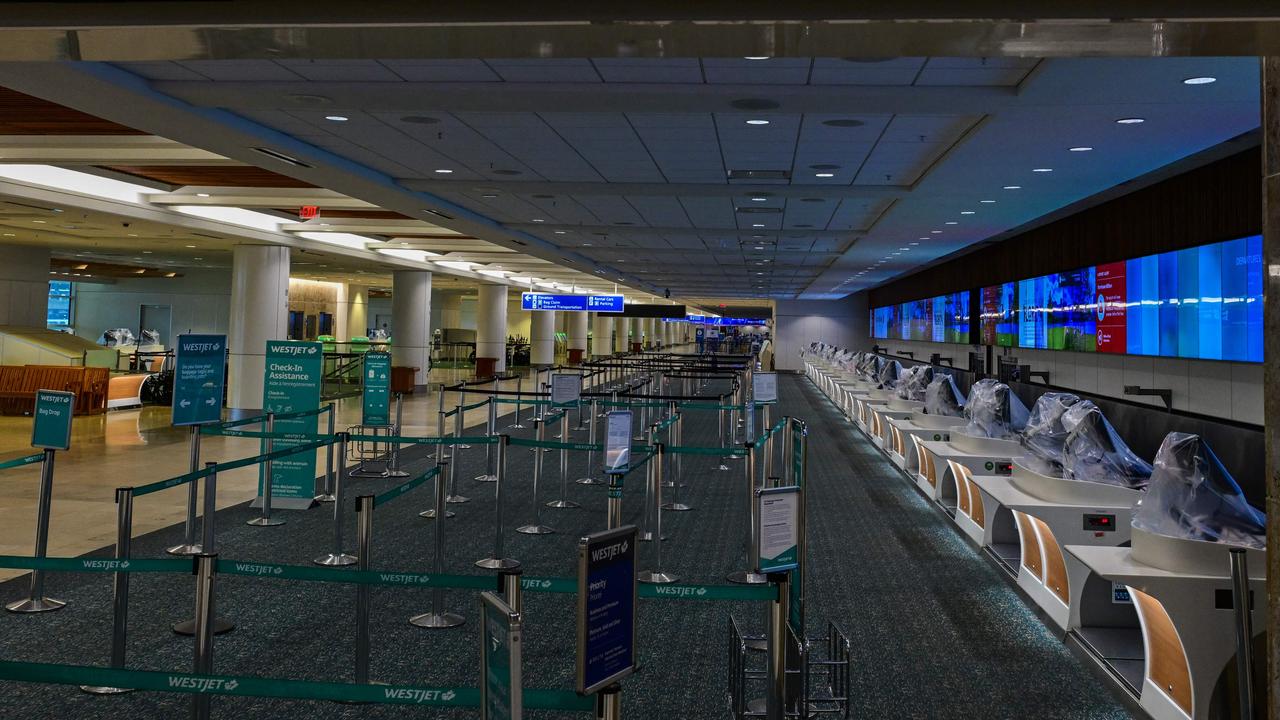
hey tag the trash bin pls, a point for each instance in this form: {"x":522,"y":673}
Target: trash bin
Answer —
{"x":402,"y":379}
{"x":486,"y":367}
{"x":575,"y":356}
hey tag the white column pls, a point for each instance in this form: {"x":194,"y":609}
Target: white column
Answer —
{"x":24,"y":286}
{"x":648,"y":333}
{"x":411,"y":322}
{"x":542,"y":338}
{"x":491,"y":325}
{"x":259,"y":312}
{"x":576,"y":324}
{"x":356,"y":313}
{"x":602,"y":336}
{"x":450,"y":310}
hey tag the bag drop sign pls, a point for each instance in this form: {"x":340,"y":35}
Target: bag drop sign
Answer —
{"x":292,"y":384}
{"x":51,"y":420}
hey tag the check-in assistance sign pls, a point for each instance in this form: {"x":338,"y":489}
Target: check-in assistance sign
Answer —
{"x":607,"y":591}
{"x":292,"y":384}
{"x":376,"y":398}
{"x":778,"y":512}
{"x":198,"y":379}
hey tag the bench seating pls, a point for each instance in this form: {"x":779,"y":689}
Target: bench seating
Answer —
{"x":18,"y":386}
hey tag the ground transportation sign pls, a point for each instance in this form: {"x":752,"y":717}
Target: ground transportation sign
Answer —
{"x":607,"y":591}
{"x":582,"y":303}
{"x":198,"y":379}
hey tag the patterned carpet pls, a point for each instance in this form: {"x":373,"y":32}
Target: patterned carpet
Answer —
{"x":936,"y":631}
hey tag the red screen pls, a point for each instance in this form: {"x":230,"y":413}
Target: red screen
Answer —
{"x":1111,"y":298}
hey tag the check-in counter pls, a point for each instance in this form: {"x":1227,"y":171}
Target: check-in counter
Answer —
{"x":894,"y":409}
{"x":1024,"y":519}
{"x":902,"y":432}
{"x":1159,"y":616}
{"x":939,"y":459}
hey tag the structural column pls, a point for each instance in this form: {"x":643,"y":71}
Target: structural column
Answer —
{"x":601,"y":336}
{"x":576,"y":324}
{"x":411,"y":322}
{"x":635,"y":333}
{"x":24,"y":286}
{"x":1271,"y":358}
{"x":353,"y":313}
{"x":491,"y":330}
{"x":259,"y":312}
{"x":542,"y":338}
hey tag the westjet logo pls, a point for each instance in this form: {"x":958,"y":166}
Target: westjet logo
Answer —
{"x":105,"y":564}
{"x":256,"y":569}
{"x":404,"y":578}
{"x":201,"y":347}
{"x":532,"y":584}
{"x":201,"y":685}
{"x":418,"y":696}
{"x":679,"y":590}
{"x":609,"y":552}
{"x":292,"y":349}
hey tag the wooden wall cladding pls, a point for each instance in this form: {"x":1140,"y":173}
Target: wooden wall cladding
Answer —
{"x":1055,"y":566}
{"x":1219,"y":201}
{"x":1030,"y":546}
{"x":1166,"y":658}
{"x":26,"y":115}
{"x":212,"y":175}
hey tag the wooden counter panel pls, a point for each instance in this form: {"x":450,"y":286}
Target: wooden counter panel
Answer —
{"x":1055,"y":566}
{"x":1166,"y":659}
{"x":1030,"y":546}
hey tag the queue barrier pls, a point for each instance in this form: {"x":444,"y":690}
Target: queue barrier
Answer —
{"x":278,"y":416}
{"x":22,"y":461}
{"x":213,"y":468}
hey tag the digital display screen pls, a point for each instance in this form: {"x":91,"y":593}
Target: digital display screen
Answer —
{"x":1203,"y":302}
{"x":944,"y":318}
{"x":60,"y":300}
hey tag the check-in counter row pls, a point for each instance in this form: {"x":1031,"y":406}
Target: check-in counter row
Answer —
{"x":1154,"y":612}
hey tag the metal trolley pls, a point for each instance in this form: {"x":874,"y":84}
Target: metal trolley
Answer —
{"x":373,"y":458}
{"x":817,"y":675}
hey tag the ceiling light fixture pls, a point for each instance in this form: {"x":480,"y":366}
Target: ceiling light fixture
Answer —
{"x":1080,"y":148}
{"x":1201,"y":80}
{"x":539,"y":220}
{"x":1042,"y":170}
{"x":986,"y":202}
{"x":824,"y":175}
{"x":935,"y":232}
{"x":336,"y":118}
{"x":1131,"y":121}
{"x":444,"y":171}
{"x":757,"y":122}
{"x":758,"y":199}
{"x":951,"y":222}
{"x":966,"y":212}
{"x":756,"y":57}
{"x":755,"y":225}
{"x":1012,"y":187}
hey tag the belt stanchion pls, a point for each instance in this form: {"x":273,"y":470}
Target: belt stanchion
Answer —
{"x":120,"y":589}
{"x":364,"y":548}
{"x":1243,"y":605}
{"x":438,"y":618}
{"x":776,"y":673}
{"x":204,"y":630}
{"x":750,"y":576}
{"x":673,"y":426}
{"x":441,"y":455}
{"x":581,"y":419}
{"x":462,"y":402}
{"x":538,"y":387}
{"x":563,"y":502}
{"x":766,"y":462}
{"x":609,"y":703}
{"x":36,"y":601}
{"x":656,"y":575}
{"x":326,"y":493}
{"x":208,"y":545}
{"x":453,"y":498}
{"x":650,"y":496}
{"x":588,"y":477}
{"x":265,"y":520}
{"x":613,"y":515}
{"x":498,"y":560}
{"x":676,"y":464}
{"x":490,"y":474}
{"x":393,"y":468}
{"x":536,"y":527}
{"x":519,"y":387}
{"x":430,"y":513}
{"x":189,"y":545}
{"x":509,"y":584}
{"x":337,"y":557}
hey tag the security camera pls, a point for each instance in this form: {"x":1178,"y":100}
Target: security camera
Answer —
{"x":125,"y":224}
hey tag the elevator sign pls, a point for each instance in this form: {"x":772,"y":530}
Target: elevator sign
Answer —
{"x":579,"y":303}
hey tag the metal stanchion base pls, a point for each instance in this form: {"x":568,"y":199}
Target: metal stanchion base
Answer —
{"x":516,"y":427}
{"x":370,"y":474}
{"x":493,"y":563}
{"x":437,"y":621}
{"x":327,"y":498}
{"x":335,"y":559}
{"x":723,"y":467}
{"x":486,"y":478}
{"x":182,"y":550}
{"x":102,"y":690}
{"x":746,"y":577}
{"x":397,"y":473}
{"x":535,"y":530}
{"x":188,"y":627}
{"x":431,"y":514}
{"x":589,"y":481}
{"x":456,"y":499}
{"x":656,"y":577}
{"x":463,"y":446}
{"x":264,"y":522}
{"x":35,"y":605}
{"x":676,"y":507}
{"x":647,"y":536}
{"x":562,"y":504}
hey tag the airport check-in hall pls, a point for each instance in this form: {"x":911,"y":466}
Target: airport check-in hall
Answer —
{"x":894,"y":361}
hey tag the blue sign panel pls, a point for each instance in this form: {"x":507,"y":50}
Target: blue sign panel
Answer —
{"x":607,"y":592}
{"x":581,"y":303}
{"x":198,"y":379}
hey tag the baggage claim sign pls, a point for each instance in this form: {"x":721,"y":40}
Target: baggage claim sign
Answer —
{"x":292,"y":384}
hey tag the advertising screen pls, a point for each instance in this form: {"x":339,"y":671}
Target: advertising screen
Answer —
{"x":944,"y":318}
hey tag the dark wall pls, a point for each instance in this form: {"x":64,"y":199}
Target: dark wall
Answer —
{"x":1215,"y":202}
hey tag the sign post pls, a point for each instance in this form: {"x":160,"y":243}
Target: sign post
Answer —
{"x":50,"y":430}
{"x":607,"y":591}
{"x":617,"y":460}
{"x":376,"y":397}
{"x":198,"y":381}
{"x":292,"y":384}
{"x":501,"y":629}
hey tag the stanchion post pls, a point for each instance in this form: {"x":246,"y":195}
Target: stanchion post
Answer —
{"x":337,"y":557}
{"x":564,"y":502}
{"x":509,"y":584}
{"x":646,"y":533}
{"x":430,"y":513}
{"x":189,"y":545}
{"x":453,"y":498}
{"x":750,"y":576}
{"x":441,"y":455}
{"x":490,"y":457}
{"x":204,"y":630}
{"x":777,"y":638}
{"x":326,"y":494}
{"x":519,"y":386}
{"x":208,"y":544}
{"x":36,"y":601}
{"x":265,"y":520}
{"x":364,"y":548}
{"x":394,"y":469}
{"x":438,"y":618}
{"x":588,"y":477}
{"x":119,"y":590}
{"x":609,"y":703}
{"x":536,"y":527}
{"x":657,"y":576}
{"x":1241,"y":601}
{"x":675,"y":464}
{"x":498,"y":560}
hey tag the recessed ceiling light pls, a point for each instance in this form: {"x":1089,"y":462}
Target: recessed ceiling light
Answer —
{"x":935,"y":232}
{"x":1201,"y":80}
{"x":202,"y":194}
{"x":916,"y":243}
{"x":489,"y":195}
{"x":951,"y":222}
{"x":756,"y":57}
{"x":757,"y":122}
{"x":197,"y":258}
{"x":191,"y":246}
{"x":1042,"y":170}
{"x":560,"y":232}
{"x":444,"y":171}
{"x":336,"y":118}
{"x":986,"y":202}
{"x":966,"y":212}
{"x":758,"y":199}
{"x":38,"y":222}
{"x":757,"y":224}
{"x":759,"y":247}
{"x":1080,"y":148}
{"x":146,"y":252}
{"x":1131,"y":121}
{"x":539,"y":220}
{"x":1012,"y":187}
{"x":824,"y":175}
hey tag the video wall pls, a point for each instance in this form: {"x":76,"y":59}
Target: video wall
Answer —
{"x":944,"y":318}
{"x":1203,"y":302}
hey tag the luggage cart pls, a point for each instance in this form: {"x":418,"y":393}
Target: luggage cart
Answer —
{"x":817,"y":675}
{"x":373,"y":457}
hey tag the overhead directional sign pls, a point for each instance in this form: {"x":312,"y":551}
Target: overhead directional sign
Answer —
{"x":292,"y":384}
{"x":198,"y":379}
{"x":607,"y":591}
{"x":376,"y":398}
{"x":583,"y":303}
{"x":501,"y":694}
{"x":51,"y":428}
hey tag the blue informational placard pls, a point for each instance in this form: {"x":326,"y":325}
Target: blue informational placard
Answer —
{"x":607,"y":591}
{"x":581,"y":303}
{"x":198,"y":379}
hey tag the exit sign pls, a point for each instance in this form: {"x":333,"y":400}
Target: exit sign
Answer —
{"x":307,"y":212}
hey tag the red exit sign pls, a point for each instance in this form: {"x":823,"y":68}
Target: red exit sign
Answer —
{"x":307,"y":212}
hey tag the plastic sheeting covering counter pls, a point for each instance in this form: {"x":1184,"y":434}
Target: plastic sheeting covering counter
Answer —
{"x":943,"y":396}
{"x":914,"y":381}
{"x":1192,"y":496}
{"x":1045,"y":436}
{"x":994,"y":411}
{"x":1095,"y":452}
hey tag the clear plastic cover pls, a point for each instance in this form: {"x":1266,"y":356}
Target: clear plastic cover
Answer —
{"x":914,"y":381}
{"x":869,"y":366}
{"x":1192,"y":496}
{"x":1045,"y":436}
{"x":887,"y":375}
{"x":1095,"y":452}
{"x":994,"y":411}
{"x":943,"y":397}
{"x":117,"y":337}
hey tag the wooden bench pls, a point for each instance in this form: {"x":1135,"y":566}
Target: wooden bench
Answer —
{"x":18,"y":386}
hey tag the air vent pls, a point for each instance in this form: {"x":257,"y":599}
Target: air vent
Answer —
{"x":759,"y":174}
{"x":281,"y":157}
{"x":439,"y":214}
{"x":759,"y":210}
{"x":755,"y":104}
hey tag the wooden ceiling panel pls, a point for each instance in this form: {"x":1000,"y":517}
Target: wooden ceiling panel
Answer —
{"x":25,"y":115}
{"x":212,"y":175}
{"x":354,"y":214}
